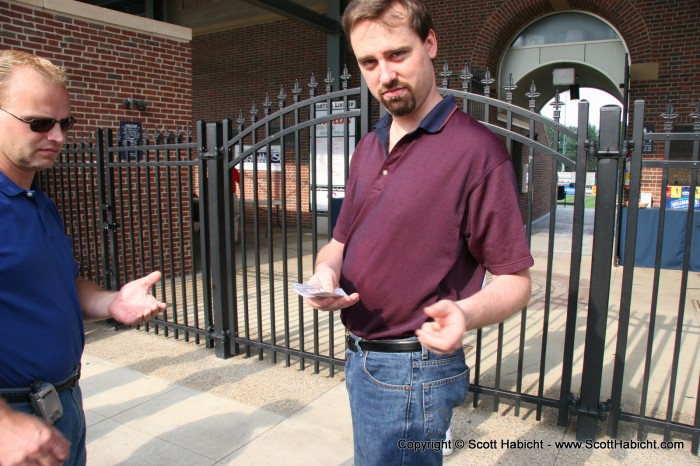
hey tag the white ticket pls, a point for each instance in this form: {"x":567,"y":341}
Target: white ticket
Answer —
{"x":313,"y":291}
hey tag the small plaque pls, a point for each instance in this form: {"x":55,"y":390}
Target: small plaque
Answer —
{"x":130,"y":135}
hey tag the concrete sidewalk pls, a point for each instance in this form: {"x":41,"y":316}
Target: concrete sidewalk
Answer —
{"x":152,"y":400}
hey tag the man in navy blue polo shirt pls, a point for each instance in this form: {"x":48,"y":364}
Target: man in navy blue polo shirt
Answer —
{"x":43,"y":302}
{"x":431,"y":205}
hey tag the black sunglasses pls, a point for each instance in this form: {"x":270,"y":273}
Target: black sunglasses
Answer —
{"x":44,"y":125}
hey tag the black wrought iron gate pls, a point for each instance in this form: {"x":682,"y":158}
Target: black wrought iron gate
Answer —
{"x":169,"y":204}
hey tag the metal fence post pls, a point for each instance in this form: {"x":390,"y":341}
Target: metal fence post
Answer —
{"x":102,"y":200}
{"x":105,"y":180}
{"x":628,"y":271}
{"x":565,"y":395}
{"x":217,"y":230}
{"x":232,"y":223}
{"x":589,"y":408}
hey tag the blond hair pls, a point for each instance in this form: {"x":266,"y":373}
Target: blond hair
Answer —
{"x":10,"y":60}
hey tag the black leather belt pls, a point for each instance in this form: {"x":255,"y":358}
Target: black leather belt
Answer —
{"x":22,"y":395}
{"x":383,"y":346}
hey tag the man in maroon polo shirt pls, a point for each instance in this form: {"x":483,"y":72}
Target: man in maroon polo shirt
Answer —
{"x":431,"y":205}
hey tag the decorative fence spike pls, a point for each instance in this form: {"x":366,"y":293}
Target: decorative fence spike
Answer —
{"x":312,"y":85}
{"x":509,"y":88}
{"x":267,"y":103}
{"x":296,"y":90}
{"x":695,"y":115}
{"x":253,"y":113}
{"x":466,"y":77}
{"x":557,"y":104}
{"x":329,"y":81}
{"x":669,"y":115}
{"x":487,"y":81}
{"x":445,"y":74}
{"x":345,"y":77}
{"x":281,"y":97}
{"x":532,"y":95}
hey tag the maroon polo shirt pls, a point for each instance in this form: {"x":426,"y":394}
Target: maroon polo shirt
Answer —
{"x":424,"y":222}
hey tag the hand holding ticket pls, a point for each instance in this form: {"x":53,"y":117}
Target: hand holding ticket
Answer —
{"x":313,"y":291}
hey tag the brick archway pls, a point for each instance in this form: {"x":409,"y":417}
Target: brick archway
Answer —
{"x":500,"y":27}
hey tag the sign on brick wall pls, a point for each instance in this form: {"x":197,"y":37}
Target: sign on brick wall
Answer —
{"x":130,"y":134}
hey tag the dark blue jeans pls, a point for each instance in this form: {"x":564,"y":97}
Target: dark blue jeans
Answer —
{"x":402,"y":404}
{"x":71,"y":424}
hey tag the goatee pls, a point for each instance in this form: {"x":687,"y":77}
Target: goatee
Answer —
{"x":401,"y":105}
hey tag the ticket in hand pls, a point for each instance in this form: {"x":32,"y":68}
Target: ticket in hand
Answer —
{"x":313,"y":291}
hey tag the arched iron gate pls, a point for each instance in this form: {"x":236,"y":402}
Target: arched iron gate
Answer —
{"x":256,"y":301}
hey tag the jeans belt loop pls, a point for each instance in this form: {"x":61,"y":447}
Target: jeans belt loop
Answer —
{"x":424,"y":353}
{"x":356,"y":340}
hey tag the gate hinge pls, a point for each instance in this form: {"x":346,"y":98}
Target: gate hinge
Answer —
{"x":601,"y":412}
{"x":609,"y":152}
{"x":627,"y":146}
{"x":224,"y":335}
{"x":212,"y":154}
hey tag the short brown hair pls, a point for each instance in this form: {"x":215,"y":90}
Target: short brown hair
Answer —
{"x":10,"y":60}
{"x":417,"y":14}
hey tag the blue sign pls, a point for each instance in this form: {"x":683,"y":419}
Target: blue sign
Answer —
{"x":680,"y":203}
{"x":130,"y":134}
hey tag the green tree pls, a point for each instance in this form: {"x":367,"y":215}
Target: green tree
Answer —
{"x":567,"y":145}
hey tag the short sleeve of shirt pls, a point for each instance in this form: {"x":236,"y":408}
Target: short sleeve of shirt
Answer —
{"x":493,"y":223}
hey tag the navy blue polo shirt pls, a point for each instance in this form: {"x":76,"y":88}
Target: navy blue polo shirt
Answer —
{"x":425,"y":221}
{"x":41,"y":325}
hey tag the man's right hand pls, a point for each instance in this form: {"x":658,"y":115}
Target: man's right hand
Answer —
{"x":325,"y":279}
{"x":327,"y":275}
{"x":26,"y":439}
{"x":333,"y":304}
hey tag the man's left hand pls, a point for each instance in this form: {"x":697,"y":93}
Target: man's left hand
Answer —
{"x":134,"y":304}
{"x":444,"y":333}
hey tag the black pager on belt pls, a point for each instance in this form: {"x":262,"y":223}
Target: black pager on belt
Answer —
{"x":45,"y":401}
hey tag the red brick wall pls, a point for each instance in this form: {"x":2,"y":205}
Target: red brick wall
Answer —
{"x":105,"y":64}
{"x":236,"y":68}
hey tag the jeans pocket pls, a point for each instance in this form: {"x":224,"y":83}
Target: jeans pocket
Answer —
{"x":440,"y":397}
{"x":388,"y":370}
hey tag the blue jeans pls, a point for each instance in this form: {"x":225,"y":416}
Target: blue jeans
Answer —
{"x":71,"y":424}
{"x":401,"y":404}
